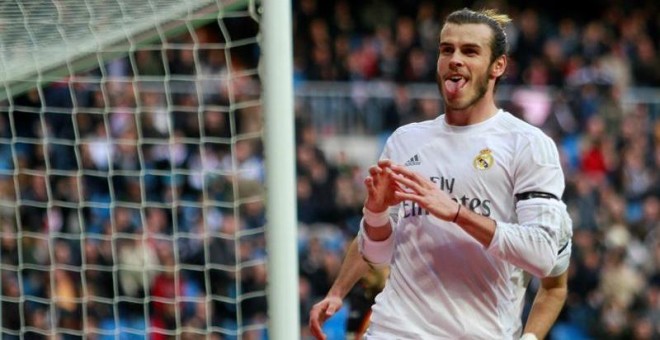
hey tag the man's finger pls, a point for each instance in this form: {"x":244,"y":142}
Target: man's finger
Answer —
{"x":369,"y":183}
{"x":384,"y":163}
{"x":408,"y":173}
{"x":375,"y":170}
{"x":315,"y":323}
{"x":316,"y":331}
{"x":406,"y":196}
{"x":401,"y":170}
{"x":406,"y":183}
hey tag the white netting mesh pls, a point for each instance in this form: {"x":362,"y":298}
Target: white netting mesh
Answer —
{"x":131,"y":171}
{"x":42,"y":40}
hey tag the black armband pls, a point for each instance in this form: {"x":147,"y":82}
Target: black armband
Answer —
{"x":534,"y":194}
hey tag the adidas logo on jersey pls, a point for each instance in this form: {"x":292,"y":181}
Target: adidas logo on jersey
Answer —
{"x":413,"y":161}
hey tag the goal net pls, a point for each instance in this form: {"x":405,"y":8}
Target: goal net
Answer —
{"x":131,"y":170}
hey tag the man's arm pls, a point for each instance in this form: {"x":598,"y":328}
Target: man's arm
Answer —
{"x":352,"y":270}
{"x":376,"y":246}
{"x":548,"y":303}
{"x":530,"y":244}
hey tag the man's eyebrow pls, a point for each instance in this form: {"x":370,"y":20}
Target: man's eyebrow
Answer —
{"x":468,"y":45}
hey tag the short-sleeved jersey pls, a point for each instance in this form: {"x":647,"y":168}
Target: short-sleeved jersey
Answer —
{"x":443,"y":283}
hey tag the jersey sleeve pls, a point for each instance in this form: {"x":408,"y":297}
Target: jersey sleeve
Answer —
{"x":565,"y":245}
{"x":540,"y":170}
{"x":540,"y":241}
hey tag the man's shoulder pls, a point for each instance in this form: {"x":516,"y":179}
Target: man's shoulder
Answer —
{"x":515,"y":125}
{"x":416,"y":128}
{"x":532,"y":143}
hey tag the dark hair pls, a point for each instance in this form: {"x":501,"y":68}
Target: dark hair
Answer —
{"x":490,"y":17}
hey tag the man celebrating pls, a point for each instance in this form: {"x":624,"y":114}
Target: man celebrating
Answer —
{"x":477,"y":210}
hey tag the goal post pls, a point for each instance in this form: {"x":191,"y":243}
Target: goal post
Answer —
{"x":147,"y":171}
{"x":280,"y":160}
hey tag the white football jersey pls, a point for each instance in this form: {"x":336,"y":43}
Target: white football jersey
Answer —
{"x":443,"y":283}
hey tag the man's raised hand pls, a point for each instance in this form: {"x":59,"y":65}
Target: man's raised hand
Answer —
{"x":380,"y":187}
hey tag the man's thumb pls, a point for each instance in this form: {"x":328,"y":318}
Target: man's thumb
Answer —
{"x":331,"y":310}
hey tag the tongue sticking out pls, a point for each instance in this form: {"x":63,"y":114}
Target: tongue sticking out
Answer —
{"x":452,"y":87}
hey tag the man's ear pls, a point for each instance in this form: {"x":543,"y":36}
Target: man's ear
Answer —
{"x":498,"y":67}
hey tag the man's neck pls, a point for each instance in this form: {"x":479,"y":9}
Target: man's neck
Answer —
{"x":472,"y":115}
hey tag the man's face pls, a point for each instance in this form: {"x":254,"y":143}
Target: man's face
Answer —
{"x":464,"y":69}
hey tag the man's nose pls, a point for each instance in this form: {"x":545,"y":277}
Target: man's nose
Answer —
{"x":456,"y":60}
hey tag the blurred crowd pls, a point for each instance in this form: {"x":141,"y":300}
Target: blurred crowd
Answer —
{"x":131,"y":203}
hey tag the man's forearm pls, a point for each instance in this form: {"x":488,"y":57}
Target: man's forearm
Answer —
{"x":547,"y":305}
{"x":352,"y":270}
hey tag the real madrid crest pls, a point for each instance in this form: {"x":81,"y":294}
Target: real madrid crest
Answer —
{"x":484,"y":160}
